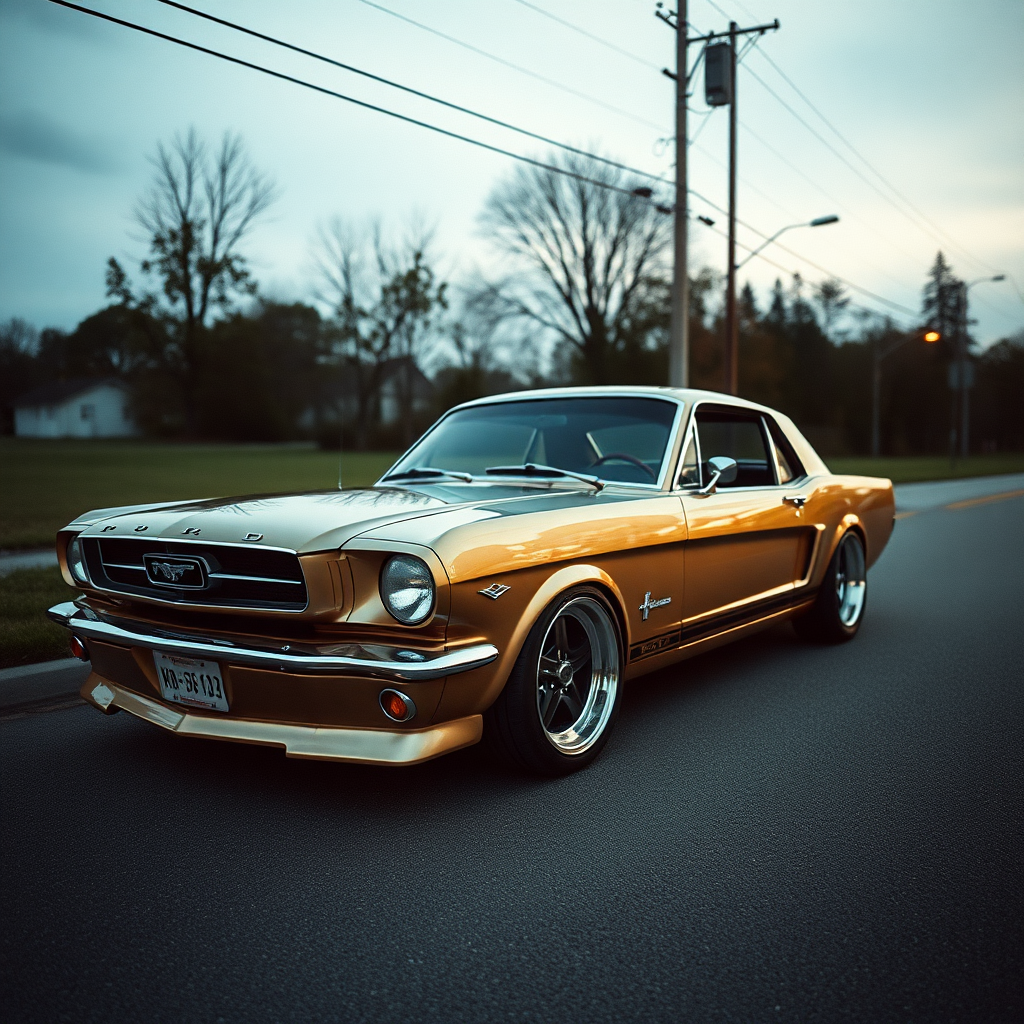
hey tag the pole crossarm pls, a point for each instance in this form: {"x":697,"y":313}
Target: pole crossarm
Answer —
{"x":760,"y":29}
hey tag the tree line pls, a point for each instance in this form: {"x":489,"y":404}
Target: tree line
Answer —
{"x":383,"y":344}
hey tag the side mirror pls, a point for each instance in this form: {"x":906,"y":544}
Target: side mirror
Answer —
{"x":723,"y":471}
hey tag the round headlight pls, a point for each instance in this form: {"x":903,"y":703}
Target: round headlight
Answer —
{"x":76,"y":562}
{"x":407,"y":588}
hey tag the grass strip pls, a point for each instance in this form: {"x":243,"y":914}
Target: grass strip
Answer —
{"x":26,"y":634}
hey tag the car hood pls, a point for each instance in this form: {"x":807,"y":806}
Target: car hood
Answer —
{"x":318,"y":521}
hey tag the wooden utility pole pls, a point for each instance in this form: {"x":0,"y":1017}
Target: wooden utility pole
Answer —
{"x":679,"y":333}
{"x":732,"y":327}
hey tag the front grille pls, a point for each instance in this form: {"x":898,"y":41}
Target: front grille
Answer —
{"x":234,"y":576}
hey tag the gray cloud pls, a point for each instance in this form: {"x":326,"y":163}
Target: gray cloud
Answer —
{"x":37,"y":137}
{"x":47,"y":17}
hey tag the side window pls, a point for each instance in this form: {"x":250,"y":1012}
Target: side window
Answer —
{"x":689,"y":470}
{"x":789,"y":465}
{"x":736,"y":435}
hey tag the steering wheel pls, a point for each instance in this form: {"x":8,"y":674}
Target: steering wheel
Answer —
{"x":628,"y":458}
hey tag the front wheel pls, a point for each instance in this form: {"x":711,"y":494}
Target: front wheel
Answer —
{"x":560,"y":702}
{"x":838,"y":609}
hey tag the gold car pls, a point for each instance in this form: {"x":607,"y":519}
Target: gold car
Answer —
{"x":528,"y":556}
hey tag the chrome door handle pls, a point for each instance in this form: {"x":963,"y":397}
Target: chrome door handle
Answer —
{"x":796,"y":500}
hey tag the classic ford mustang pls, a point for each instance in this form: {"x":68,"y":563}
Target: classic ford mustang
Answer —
{"x":528,"y":556}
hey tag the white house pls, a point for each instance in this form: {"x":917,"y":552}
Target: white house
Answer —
{"x":86,"y":407}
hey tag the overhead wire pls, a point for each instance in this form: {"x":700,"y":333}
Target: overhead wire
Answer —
{"x":927,"y":227}
{"x":348,"y":99}
{"x":824,"y":270}
{"x":860,"y":156}
{"x":590,"y":35}
{"x":423,"y":124}
{"x":515,"y":67}
{"x":408,"y":89}
{"x":792,"y":273}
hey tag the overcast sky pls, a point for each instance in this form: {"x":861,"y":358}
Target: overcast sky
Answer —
{"x":929,"y":92}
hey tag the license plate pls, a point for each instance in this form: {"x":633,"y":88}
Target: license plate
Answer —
{"x":190,"y":681}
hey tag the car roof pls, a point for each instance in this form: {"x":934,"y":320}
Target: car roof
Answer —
{"x":678,"y":395}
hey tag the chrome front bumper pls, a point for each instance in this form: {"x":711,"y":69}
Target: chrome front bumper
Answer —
{"x":375,"y":661}
{"x":357,"y":746}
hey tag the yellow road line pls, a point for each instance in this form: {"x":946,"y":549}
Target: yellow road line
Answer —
{"x":905,"y":515}
{"x":970,"y":503}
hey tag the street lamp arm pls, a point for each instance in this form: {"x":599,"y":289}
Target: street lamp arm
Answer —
{"x":816,"y":223}
{"x":768,"y":242}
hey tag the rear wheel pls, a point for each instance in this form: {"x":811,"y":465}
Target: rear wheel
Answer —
{"x":838,"y":609}
{"x":560,"y":702}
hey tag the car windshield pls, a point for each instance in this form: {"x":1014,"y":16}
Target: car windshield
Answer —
{"x":620,"y":440}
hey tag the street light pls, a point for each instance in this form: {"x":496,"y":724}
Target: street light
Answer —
{"x":816,"y":223}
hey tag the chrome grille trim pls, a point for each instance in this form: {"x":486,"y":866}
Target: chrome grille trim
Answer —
{"x":238,"y":576}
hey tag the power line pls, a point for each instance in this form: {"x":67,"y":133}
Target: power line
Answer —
{"x":348,"y":99}
{"x":408,"y":89}
{"x":792,"y":273}
{"x":881,"y":177}
{"x":810,"y":263}
{"x":515,"y":67}
{"x":838,"y":204}
{"x":935,"y":231}
{"x":423,"y":124}
{"x":590,"y":35}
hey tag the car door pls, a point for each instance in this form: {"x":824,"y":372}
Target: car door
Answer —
{"x":748,"y":543}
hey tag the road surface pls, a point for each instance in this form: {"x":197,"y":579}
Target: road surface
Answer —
{"x":776,"y":832}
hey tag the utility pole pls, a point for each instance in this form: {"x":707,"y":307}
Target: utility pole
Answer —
{"x":732,"y":326}
{"x":679,"y":329}
{"x":720,"y":90}
{"x":679,"y":338}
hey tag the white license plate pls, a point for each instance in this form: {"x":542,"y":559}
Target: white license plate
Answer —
{"x":199,"y":684}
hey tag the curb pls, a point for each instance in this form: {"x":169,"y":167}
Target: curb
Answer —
{"x":43,"y":681}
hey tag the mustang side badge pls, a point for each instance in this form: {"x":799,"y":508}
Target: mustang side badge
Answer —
{"x":649,"y":604}
{"x":494,"y":591}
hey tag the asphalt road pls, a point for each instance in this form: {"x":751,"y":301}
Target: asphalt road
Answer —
{"x":775,"y":833}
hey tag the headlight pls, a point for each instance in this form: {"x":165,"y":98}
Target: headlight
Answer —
{"x":407,"y":588}
{"x":76,"y":562}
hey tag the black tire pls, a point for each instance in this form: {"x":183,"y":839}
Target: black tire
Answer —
{"x":838,"y":610}
{"x":551,"y":719}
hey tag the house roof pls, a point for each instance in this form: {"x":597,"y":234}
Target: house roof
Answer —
{"x":58,"y":391}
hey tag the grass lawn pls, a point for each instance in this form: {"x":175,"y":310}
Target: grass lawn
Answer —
{"x":26,"y":634}
{"x":912,"y":469}
{"x":45,"y":484}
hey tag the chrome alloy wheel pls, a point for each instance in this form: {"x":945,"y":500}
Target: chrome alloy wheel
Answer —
{"x":851,"y":579}
{"x":577,"y":675}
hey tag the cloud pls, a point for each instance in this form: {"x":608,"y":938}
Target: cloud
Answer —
{"x":47,"y":17}
{"x":36,"y":137}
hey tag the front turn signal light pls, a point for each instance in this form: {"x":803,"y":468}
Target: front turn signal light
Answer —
{"x":397,"y":706}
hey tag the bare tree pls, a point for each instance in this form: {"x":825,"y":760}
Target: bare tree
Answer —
{"x":580,"y":257}
{"x":383,"y":299}
{"x":196,"y":214}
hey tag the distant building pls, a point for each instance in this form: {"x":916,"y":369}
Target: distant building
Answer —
{"x":85,"y":407}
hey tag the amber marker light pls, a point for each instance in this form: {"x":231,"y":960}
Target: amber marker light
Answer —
{"x":396,"y":705}
{"x":932,"y":336}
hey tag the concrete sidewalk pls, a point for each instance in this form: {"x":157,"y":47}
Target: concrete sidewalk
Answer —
{"x":12,"y":561}
{"x":47,"y":680}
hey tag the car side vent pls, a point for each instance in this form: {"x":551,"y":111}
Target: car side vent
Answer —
{"x":219,"y":575}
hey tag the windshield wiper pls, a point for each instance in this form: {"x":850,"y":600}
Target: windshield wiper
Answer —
{"x":533,"y":469}
{"x":421,"y":471}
